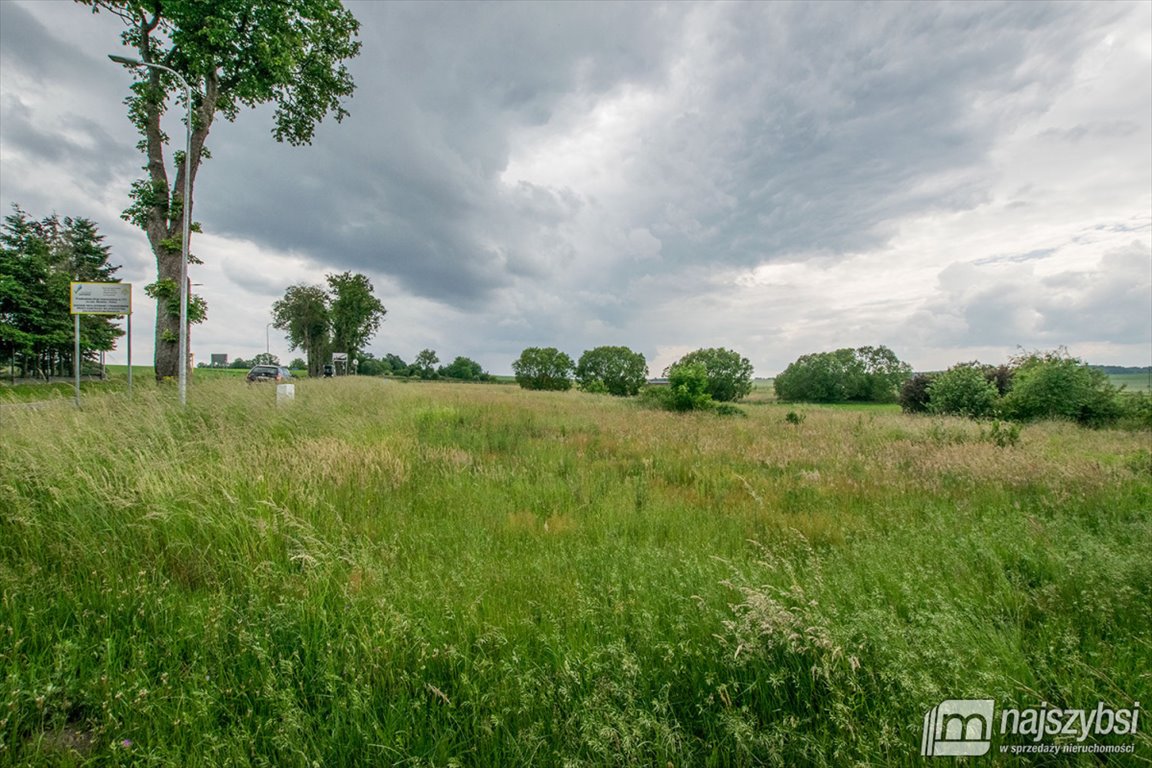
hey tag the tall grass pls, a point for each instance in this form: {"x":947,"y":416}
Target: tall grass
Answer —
{"x":392,"y":574}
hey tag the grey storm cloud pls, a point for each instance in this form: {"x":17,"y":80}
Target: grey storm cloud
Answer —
{"x":804,"y":128}
{"x":611,"y":172}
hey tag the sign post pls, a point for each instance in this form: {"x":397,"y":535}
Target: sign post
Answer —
{"x":100,"y":299}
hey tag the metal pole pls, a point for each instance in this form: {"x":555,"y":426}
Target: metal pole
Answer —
{"x":183,"y":351}
{"x":76,"y":359}
{"x":129,"y":352}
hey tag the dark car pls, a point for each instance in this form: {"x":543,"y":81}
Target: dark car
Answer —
{"x":329,"y":371}
{"x":269,"y":373}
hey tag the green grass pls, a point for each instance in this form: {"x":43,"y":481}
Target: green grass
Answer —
{"x":480,"y":576}
{"x":1132,"y":382}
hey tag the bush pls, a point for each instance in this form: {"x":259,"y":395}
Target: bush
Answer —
{"x":865,"y":374}
{"x":1054,"y":385}
{"x":616,"y":370}
{"x":728,"y":375}
{"x":914,"y":393}
{"x":464,"y":369}
{"x":543,"y":368}
{"x":1136,"y":410}
{"x":688,"y":385}
{"x":963,"y":390}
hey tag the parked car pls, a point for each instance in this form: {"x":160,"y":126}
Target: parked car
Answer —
{"x":269,"y":373}
{"x":329,"y":371}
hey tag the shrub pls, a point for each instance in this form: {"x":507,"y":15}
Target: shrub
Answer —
{"x":616,"y":370}
{"x":963,"y":390}
{"x":867,"y":374}
{"x":1054,"y":385}
{"x":728,"y":375}
{"x":688,"y":387}
{"x":543,"y":368}
{"x":1136,"y":410}
{"x":914,"y":393}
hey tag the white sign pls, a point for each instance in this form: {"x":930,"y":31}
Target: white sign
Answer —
{"x":101,"y":298}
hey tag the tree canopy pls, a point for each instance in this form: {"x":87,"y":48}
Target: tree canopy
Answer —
{"x":233,"y":54}
{"x":864,"y":374}
{"x":615,"y":370}
{"x":38,"y":262}
{"x":729,"y":374}
{"x":543,"y":368}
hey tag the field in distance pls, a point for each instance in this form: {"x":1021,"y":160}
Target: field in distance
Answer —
{"x":478,"y":575}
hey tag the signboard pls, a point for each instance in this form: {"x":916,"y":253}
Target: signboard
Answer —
{"x":101,"y":298}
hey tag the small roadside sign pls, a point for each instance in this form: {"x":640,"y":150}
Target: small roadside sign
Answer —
{"x":101,"y":298}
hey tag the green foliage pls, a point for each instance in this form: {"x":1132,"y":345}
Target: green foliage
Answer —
{"x":298,"y":364}
{"x":1136,"y":410}
{"x":865,"y":374}
{"x":543,"y":368}
{"x":914,"y":393}
{"x":963,"y":390}
{"x":1004,"y":434}
{"x":241,"y":363}
{"x":287,"y":53}
{"x":463,"y":369}
{"x":38,"y":262}
{"x":688,"y":387}
{"x":354,"y":313}
{"x":729,"y":375}
{"x":615,"y":370}
{"x":424,"y":365}
{"x":265,"y":358}
{"x":795,"y":419}
{"x":304,"y":316}
{"x":1054,"y":385}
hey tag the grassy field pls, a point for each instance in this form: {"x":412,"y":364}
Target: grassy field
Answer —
{"x":439,"y":575}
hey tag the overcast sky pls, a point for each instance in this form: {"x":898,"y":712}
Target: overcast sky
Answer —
{"x":954,"y":181}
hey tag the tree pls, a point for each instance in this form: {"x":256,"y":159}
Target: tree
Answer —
{"x":38,"y":261}
{"x":865,"y":374}
{"x":354,"y":312}
{"x":266,"y":358}
{"x":464,"y":369}
{"x":425,"y":364}
{"x":289,"y":53}
{"x":914,"y":393}
{"x":616,"y":370}
{"x":963,"y":390}
{"x":298,"y":364}
{"x":729,"y":374}
{"x":303,"y":315}
{"x":543,"y":368}
{"x":1055,"y":385}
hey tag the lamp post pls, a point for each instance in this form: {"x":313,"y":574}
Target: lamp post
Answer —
{"x":183,"y":375}
{"x":267,"y":343}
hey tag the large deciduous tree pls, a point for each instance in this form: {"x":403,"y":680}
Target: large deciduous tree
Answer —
{"x":233,"y":54}
{"x":354,"y":312}
{"x":616,"y":370}
{"x":304,"y":317}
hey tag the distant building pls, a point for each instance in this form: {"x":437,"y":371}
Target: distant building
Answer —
{"x":219,"y":361}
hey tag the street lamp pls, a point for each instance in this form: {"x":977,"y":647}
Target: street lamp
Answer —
{"x":183,"y":376}
{"x":267,"y":343}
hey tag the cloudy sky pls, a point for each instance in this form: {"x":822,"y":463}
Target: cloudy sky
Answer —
{"x":954,"y":181}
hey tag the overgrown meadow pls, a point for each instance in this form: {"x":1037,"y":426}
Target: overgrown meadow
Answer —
{"x":436,"y":575}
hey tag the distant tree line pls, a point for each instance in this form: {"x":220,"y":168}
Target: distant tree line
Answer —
{"x":39,"y":259}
